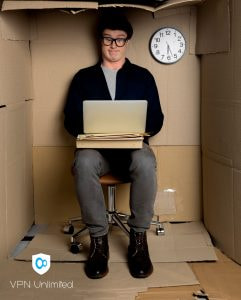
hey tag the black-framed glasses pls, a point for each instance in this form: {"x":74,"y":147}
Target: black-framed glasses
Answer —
{"x":120,"y":42}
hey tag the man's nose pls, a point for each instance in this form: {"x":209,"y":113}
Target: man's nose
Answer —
{"x":113,"y":44}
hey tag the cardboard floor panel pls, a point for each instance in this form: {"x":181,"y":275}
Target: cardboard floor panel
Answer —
{"x":182,"y":242}
{"x":177,"y":296}
{"x":20,"y":279}
{"x":220,"y":280}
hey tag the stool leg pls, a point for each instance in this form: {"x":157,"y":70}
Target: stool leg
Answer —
{"x":111,"y":201}
{"x":113,"y":216}
{"x":117,"y":220}
{"x":160,"y":230}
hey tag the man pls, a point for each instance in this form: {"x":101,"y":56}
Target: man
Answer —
{"x":115,"y":78}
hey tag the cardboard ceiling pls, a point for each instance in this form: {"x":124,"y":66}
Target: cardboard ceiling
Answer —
{"x":151,"y":5}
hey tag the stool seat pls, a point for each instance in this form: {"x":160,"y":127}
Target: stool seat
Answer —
{"x":110,"y":179}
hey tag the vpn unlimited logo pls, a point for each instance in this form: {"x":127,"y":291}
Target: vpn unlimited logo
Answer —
{"x":41,"y":263}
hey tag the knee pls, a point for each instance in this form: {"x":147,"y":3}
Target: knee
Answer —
{"x":143,"y":162}
{"x":86,"y":160}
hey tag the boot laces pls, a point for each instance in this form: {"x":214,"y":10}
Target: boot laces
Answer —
{"x":140,"y":241}
{"x":98,"y":246}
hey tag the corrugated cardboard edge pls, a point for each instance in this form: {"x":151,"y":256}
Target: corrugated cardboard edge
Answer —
{"x":177,"y":3}
{"x":15,"y":5}
{"x":168,"y":5}
{"x":145,"y":7}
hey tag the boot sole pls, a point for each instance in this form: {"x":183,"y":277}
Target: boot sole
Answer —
{"x":97,"y":276}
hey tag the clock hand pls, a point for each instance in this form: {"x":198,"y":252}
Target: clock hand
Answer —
{"x":169,"y":49}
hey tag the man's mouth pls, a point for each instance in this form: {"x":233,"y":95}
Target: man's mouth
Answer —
{"x":113,"y":52}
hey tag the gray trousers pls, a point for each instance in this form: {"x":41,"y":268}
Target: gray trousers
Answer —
{"x":140,"y":165}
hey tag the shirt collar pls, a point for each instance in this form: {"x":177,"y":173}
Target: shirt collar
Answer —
{"x":125,"y":65}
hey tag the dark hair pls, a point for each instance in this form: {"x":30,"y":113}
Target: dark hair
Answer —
{"x":114,"y":20}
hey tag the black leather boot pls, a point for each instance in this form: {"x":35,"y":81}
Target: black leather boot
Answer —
{"x":139,"y":262}
{"x":97,"y":263}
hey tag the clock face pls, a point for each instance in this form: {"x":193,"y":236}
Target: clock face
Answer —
{"x":167,"y":45}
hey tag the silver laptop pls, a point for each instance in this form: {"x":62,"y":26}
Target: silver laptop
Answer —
{"x":119,"y":116}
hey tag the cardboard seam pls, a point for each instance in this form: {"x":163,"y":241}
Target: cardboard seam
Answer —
{"x":11,"y":106}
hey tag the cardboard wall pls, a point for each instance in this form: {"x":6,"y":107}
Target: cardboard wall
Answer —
{"x":17,"y":214}
{"x":16,"y":186}
{"x":65,"y":43}
{"x":221,"y":139}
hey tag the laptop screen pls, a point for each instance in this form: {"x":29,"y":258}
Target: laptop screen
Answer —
{"x":119,"y":116}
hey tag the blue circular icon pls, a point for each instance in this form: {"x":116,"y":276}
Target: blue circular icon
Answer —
{"x":43,"y":263}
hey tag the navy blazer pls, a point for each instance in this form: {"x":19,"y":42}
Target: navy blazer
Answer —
{"x":132,"y":83}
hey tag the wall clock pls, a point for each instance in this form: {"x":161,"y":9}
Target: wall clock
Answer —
{"x":167,"y":45}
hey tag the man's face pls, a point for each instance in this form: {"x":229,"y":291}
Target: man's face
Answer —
{"x":113,"y":53}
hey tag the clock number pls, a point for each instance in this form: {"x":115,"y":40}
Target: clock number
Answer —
{"x":180,"y":50}
{"x":175,"y":56}
{"x":157,"y":52}
{"x":157,"y":40}
{"x":179,"y":38}
{"x":181,"y":44}
{"x":168,"y":32}
{"x":155,"y":46}
{"x":161,"y":34}
{"x":168,"y":57}
{"x":162,"y":56}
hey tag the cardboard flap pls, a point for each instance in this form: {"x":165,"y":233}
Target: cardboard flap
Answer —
{"x":147,"y":5}
{"x":177,"y":3}
{"x":213,"y":27}
{"x":15,"y":26}
{"x":15,"y":78}
{"x":152,"y":6}
{"x":16,"y":5}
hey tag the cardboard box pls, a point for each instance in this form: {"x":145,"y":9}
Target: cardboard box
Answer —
{"x":43,"y":71}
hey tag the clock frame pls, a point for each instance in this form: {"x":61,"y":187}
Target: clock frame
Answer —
{"x":167,"y":45}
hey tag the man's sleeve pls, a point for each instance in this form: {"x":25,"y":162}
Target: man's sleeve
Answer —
{"x":73,"y":111}
{"x":155,"y":116}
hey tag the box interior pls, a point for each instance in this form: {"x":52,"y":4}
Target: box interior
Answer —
{"x":44,"y":43}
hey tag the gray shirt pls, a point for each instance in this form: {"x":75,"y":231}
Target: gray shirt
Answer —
{"x":110,"y":77}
